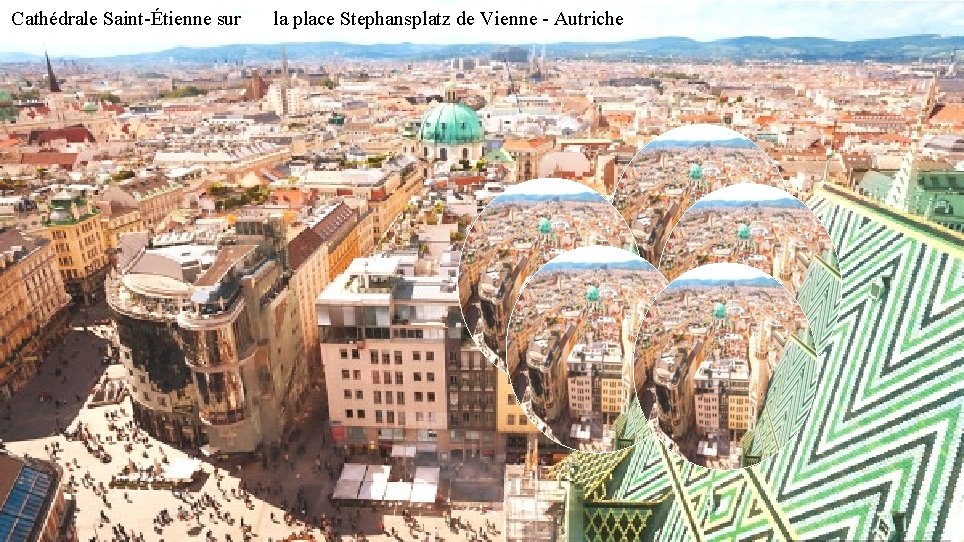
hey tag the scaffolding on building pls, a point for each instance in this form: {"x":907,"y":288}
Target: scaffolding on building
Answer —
{"x":534,"y":506}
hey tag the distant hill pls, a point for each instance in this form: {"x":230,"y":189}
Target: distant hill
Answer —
{"x":758,"y":282}
{"x":807,"y":49}
{"x":630,"y":265}
{"x":588,"y":197}
{"x":786,"y":203}
{"x":735,"y":143}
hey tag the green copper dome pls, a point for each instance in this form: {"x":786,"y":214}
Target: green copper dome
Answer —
{"x":719,"y":311}
{"x":696,"y":172}
{"x":90,"y":107}
{"x":592,"y":294}
{"x":545,"y":227}
{"x":451,"y":124}
{"x":743,"y":232}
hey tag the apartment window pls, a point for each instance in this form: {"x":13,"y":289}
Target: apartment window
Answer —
{"x":509,"y":420}
{"x":453,"y":380}
{"x":359,"y":395}
{"x":429,"y":356}
{"x":401,"y":418}
{"x":510,"y":399}
{"x":416,"y":356}
{"x":390,"y":416}
{"x":378,"y":397}
{"x":374,"y":354}
{"x":354,"y":354}
{"x":398,"y":357}
{"x":419,"y":417}
{"x":375,"y":379}
{"x":345,"y":374}
{"x":347,"y":394}
{"x":417,"y":377}
{"x":431,"y":417}
{"x":430,"y":377}
{"x":398,"y":377}
{"x":387,"y":377}
{"x":378,"y":416}
{"x":418,"y":397}
{"x":451,"y":357}
{"x":386,"y":358}
{"x":400,"y":397}
{"x":343,"y":353}
{"x":388,"y":397}
{"x":431,"y":396}
{"x":356,"y":374}
{"x":349,"y":413}
{"x":361,"y":414}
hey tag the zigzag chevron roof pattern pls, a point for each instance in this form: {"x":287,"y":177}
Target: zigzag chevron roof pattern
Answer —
{"x":885,"y":430}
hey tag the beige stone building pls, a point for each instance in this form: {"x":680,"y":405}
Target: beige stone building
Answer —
{"x":32,"y":306}
{"x":73,"y":226}
{"x":385,"y":335}
{"x":154,"y":198}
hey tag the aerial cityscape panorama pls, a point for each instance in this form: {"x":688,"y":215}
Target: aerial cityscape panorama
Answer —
{"x":706,"y":355}
{"x":677,"y":168}
{"x":264,"y":292}
{"x":521,"y":229}
{"x":570,"y":342}
{"x":752,"y":224}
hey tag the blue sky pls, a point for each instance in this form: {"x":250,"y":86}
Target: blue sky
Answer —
{"x":697,"y":19}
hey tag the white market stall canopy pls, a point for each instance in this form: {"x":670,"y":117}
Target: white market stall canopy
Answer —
{"x":353,"y":471}
{"x":346,"y":489}
{"x":427,"y":475}
{"x":182,"y":469}
{"x":398,"y":491}
{"x":423,"y":493}
{"x":377,"y":473}
{"x":425,"y":486}
{"x":372,"y":491}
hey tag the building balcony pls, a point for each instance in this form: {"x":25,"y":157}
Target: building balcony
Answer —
{"x":223,"y":419}
{"x":200,"y":320}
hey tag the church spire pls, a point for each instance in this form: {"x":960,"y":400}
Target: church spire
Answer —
{"x":51,"y":78}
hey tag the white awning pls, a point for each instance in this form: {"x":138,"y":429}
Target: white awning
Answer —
{"x":372,"y":491}
{"x":403,"y":450}
{"x":423,"y":492}
{"x":427,"y":475}
{"x":398,"y":491}
{"x":376,"y":473}
{"x":353,"y":471}
{"x":346,"y":489}
{"x":182,"y":469}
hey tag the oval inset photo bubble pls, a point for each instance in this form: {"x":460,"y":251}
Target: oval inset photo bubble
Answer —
{"x":748,"y":223}
{"x":725,"y":369}
{"x":521,"y":229}
{"x":676,"y":169}
{"x":571,"y":339}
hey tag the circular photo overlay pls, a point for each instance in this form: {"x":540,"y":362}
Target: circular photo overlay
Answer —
{"x":677,"y":168}
{"x":752,"y":224}
{"x":724,"y":367}
{"x":521,"y":229}
{"x":570,"y":343}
